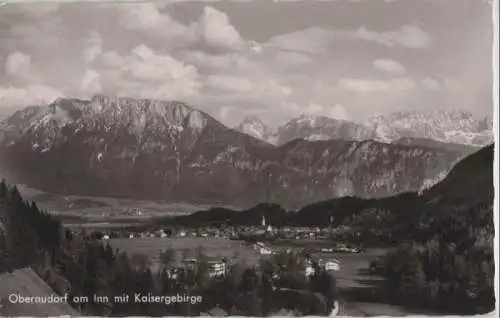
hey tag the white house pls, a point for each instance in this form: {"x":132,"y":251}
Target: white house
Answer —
{"x":265,"y":251}
{"x":216,"y":268}
{"x":309,"y":270}
{"x":332,"y":265}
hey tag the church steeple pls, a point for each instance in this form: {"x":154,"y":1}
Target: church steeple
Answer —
{"x":266,"y":225}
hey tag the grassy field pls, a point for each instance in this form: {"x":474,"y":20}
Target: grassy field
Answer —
{"x":186,"y":247}
{"x":351,"y":264}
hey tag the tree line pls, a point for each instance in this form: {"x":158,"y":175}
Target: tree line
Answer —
{"x":451,"y":268}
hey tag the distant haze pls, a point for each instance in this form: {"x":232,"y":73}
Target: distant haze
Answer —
{"x":342,"y":59}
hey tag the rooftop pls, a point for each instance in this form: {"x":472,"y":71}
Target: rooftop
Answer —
{"x":216,"y":312}
{"x":27,"y":283}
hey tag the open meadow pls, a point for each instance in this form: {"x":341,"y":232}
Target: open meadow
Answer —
{"x":186,"y":248}
{"x":351,"y":264}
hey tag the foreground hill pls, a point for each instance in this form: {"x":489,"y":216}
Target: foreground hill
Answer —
{"x":147,"y":149}
{"x":470,"y":181}
{"x":449,"y":260}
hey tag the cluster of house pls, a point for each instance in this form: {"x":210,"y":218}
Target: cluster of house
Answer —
{"x":263,"y":249}
{"x":219,"y":268}
{"x":215,"y":268}
{"x":164,"y":233}
{"x":265,"y":229}
{"x":327,"y":265}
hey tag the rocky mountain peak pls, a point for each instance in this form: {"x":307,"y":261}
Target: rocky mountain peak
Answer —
{"x":253,"y":120}
{"x":322,"y":128}
{"x":255,"y":127}
{"x":451,"y":126}
{"x":111,"y":114}
{"x":304,"y":120}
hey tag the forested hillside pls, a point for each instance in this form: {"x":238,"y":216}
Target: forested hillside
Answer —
{"x":448,"y":261}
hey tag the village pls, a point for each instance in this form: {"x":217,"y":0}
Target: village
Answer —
{"x":255,"y":243}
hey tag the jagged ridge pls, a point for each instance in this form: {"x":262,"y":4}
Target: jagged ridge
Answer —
{"x":450,"y":127}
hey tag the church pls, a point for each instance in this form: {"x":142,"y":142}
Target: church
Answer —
{"x":266,"y":226}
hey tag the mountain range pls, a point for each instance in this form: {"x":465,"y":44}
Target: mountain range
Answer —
{"x":450,"y":127}
{"x":167,"y":150}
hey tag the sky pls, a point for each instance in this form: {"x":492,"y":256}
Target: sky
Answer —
{"x":347,"y":59}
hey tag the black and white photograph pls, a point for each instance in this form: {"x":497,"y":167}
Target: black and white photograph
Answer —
{"x":248,"y":158}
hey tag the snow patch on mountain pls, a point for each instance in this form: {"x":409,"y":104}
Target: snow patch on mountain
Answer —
{"x":305,"y":120}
